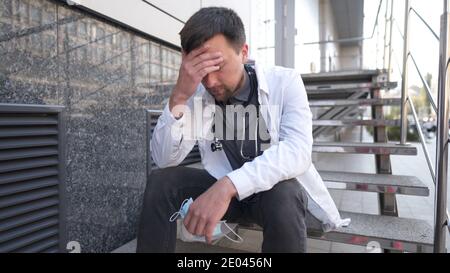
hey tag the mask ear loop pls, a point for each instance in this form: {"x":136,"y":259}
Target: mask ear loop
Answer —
{"x":239,"y":240}
{"x":174,"y":216}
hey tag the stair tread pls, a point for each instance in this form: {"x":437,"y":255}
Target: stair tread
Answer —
{"x":364,"y":144}
{"x":340,"y":75}
{"x":388,"y":227}
{"x":352,"y":76}
{"x":364,"y":148}
{"x":379,"y":179}
{"x":324,"y":88}
{"x":357,"y":102}
{"x":400,"y":184}
{"x":366,"y":227}
{"x":356,"y":122}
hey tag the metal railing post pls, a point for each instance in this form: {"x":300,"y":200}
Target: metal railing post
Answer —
{"x":442,"y":137}
{"x":391,"y":21}
{"x":404,"y":106}
{"x":386,"y":29}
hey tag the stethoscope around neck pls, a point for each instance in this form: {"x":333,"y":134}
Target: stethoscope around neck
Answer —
{"x":216,"y":145}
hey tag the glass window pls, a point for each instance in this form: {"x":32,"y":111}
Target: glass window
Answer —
{"x":164,"y":57}
{"x":165,"y":74}
{"x":155,"y":73}
{"x":35,"y":44}
{"x":5,"y":8}
{"x":93,"y":33}
{"x":83,"y":29}
{"x":22,"y":11}
{"x":155,"y":53}
{"x":109,"y":40}
{"x":101,"y":54}
{"x":72,"y":29}
{"x":35,"y":15}
{"x":100,"y":35}
{"x":83,"y":54}
{"x":118,"y":43}
{"x":48,"y":16}
{"x":124,"y":44}
{"x":49,"y":41}
{"x":263,"y":47}
{"x":144,"y":50}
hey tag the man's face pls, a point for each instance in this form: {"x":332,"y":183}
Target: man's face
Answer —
{"x":223,"y":83}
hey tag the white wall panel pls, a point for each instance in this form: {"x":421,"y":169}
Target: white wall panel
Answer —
{"x":143,"y":17}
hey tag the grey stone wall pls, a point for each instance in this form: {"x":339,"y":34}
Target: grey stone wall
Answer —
{"x":105,"y":76}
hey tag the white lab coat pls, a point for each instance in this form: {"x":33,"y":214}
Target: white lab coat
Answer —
{"x":289,"y":122}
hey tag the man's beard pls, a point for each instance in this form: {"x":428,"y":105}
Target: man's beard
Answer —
{"x":224,"y":92}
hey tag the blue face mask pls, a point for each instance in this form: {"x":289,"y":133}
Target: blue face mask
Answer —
{"x":221,"y":229}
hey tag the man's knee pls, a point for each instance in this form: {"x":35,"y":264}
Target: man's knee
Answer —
{"x":285,"y":198}
{"x":283,"y":211}
{"x":160,"y":182}
{"x":166,"y":176}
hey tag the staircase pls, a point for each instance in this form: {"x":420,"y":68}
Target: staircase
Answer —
{"x":337,"y":99}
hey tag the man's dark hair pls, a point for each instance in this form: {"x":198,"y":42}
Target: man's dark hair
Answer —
{"x":208,"y":22}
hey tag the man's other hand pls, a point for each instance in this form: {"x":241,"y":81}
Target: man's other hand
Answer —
{"x":209,"y":208}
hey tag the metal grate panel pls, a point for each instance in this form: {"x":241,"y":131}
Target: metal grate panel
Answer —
{"x":31,"y":179}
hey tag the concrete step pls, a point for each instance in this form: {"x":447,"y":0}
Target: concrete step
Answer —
{"x":341,"y":76}
{"x":356,"y":122}
{"x":324,"y":88}
{"x":394,"y":233}
{"x":361,"y":102}
{"x":381,"y":183}
{"x":342,"y":84}
{"x":364,"y":148}
{"x":385,"y":232}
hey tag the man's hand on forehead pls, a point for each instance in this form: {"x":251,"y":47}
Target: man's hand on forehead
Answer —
{"x":194,"y":67}
{"x":202,"y":54}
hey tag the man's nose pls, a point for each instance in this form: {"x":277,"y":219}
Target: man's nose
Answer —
{"x":210,"y":80}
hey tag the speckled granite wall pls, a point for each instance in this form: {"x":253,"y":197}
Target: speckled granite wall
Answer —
{"x":105,"y":76}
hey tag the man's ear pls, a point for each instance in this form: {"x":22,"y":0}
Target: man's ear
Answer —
{"x":244,"y":53}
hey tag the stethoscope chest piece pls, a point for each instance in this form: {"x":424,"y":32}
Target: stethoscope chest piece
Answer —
{"x":216,"y":145}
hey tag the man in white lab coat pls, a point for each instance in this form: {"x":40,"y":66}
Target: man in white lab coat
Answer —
{"x":267,"y":179}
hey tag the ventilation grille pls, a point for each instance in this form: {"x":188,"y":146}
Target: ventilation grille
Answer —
{"x":30,"y":178}
{"x":152,"y":120}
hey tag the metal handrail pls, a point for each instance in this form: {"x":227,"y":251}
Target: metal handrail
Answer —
{"x":397,"y":63}
{"x":439,"y":174}
{"x":406,"y":54}
{"x":425,"y":22}
{"x":422,"y":140}
{"x":399,"y":30}
{"x":442,"y":216}
{"x":391,"y":19}
{"x":424,"y":147}
{"x":425,"y":84}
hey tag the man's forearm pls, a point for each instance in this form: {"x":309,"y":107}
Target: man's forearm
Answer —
{"x":177,"y":99}
{"x":231,"y":190}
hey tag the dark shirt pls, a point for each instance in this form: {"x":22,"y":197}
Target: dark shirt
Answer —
{"x":232,"y":147}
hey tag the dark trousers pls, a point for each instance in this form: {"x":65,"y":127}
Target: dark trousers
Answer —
{"x":280,"y":211}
